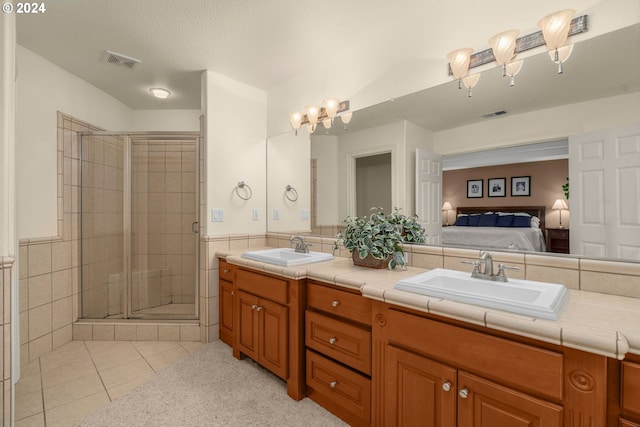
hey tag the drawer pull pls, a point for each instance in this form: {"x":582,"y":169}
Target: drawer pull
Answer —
{"x":333,"y":384}
{"x":258,"y":308}
{"x":332,"y":340}
{"x":446,"y":386}
{"x":254,"y":306}
{"x":464,"y":393}
{"x":335,"y":303}
{"x":226,"y":271}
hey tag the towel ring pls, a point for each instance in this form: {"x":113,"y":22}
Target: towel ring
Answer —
{"x":290,"y":193}
{"x":247,"y":191}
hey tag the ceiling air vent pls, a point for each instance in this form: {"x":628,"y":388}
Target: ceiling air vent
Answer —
{"x":119,"y":59}
{"x":495,"y":113}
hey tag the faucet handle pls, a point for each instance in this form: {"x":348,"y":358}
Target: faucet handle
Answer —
{"x":501,"y":276}
{"x":476,"y":267}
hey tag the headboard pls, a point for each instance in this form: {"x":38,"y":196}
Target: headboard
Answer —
{"x":538,"y":211}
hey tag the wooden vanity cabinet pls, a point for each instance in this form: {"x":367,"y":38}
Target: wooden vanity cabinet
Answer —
{"x":338,"y":351}
{"x":429,"y":372}
{"x":226,"y":292}
{"x":629,"y":415}
{"x":268,"y":325}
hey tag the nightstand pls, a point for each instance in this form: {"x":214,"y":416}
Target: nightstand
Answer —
{"x":558,"y":240}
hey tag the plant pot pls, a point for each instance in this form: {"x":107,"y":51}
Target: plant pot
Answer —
{"x":369,"y":261}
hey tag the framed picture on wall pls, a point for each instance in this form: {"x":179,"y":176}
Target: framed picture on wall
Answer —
{"x":497,"y":187}
{"x":474,"y":188}
{"x":520,"y":186}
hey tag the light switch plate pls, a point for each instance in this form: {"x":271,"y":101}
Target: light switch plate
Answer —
{"x":256,"y":214}
{"x":304,"y":214}
{"x":276,"y":214}
{"x":217,"y":215}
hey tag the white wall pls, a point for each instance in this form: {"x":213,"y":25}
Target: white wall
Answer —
{"x":288,"y":163}
{"x":165,"y":120}
{"x":43,"y":89}
{"x":542,"y":125}
{"x":7,"y":135}
{"x":415,"y":137}
{"x":324,"y":148}
{"x":235,"y":138}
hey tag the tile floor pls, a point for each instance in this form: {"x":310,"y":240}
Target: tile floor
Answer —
{"x":64,"y":386}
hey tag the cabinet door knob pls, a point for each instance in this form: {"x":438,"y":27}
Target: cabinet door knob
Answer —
{"x":258,"y":308}
{"x":332,"y":340}
{"x":333,"y":384}
{"x":446,"y":386}
{"x":335,"y":303}
{"x":254,"y":306}
{"x":464,"y":393}
{"x":226,"y":271}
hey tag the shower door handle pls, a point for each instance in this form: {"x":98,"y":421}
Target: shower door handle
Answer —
{"x":194,"y":227}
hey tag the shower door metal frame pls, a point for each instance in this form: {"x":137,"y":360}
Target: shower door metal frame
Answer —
{"x":127,"y":209}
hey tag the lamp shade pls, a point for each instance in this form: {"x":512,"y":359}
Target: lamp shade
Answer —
{"x":446,"y":206}
{"x":331,"y":106}
{"x":560,"y":204}
{"x":555,"y":27}
{"x":313,"y":112}
{"x":564,"y":53}
{"x":296,"y":120}
{"x":513,"y":68}
{"x":471,"y":81}
{"x":459,"y":61}
{"x":346,"y":117}
{"x":503,"y":46}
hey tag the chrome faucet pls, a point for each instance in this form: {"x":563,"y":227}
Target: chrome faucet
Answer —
{"x":486,"y":260}
{"x":301,"y":245}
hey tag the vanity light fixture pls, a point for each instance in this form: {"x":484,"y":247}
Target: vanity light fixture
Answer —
{"x":471,"y":81}
{"x":159,"y":92}
{"x":325,"y":115}
{"x":555,"y":28}
{"x":512,"y":69}
{"x":503,"y":46}
{"x":560,"y":205}
{"x":446,"y":207}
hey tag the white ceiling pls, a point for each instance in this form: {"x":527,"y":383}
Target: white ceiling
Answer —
{"x":265,"y":43}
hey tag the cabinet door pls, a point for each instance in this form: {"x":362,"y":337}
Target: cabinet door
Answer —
{"x":483,"y":403}
{"x":418,"y":391}
{"x":273,"y":337}
{"x":247,"y":334}
{"x":226,"y":312}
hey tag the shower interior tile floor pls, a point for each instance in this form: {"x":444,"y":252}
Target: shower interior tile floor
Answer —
{"x":64,"y":386}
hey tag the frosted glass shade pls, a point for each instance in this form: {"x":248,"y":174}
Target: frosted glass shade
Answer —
{"x":513,"y":68}
{"x":296,"y":120}
{"x":564,"y":53}
{"x":503,"y":46}
{"x":159,"y":92}
{"x":346,"y":117}
{"x":471,"y":81}
{"x":459,"y":61}
{"x":313,"y":112}
{"x":326,"y":123}
{"x":331,"y":106}
{"x":555,"y":27}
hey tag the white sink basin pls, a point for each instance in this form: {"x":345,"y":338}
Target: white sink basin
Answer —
{"x":537,"y":299}
{"x":286,"y":257}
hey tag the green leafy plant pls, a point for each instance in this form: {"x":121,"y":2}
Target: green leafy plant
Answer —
{"x":380,"y":235}
{"x":565,"y":188}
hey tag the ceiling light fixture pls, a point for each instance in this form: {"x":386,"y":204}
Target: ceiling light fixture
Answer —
{"x":555,"y":29}
{"x":159,"y":92}
{"x":330,"y":109}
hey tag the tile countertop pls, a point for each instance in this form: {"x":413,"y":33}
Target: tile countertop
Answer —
{"x":603,"y":324}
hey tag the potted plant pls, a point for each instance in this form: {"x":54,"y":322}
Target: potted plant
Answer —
{"x":376,"y":241}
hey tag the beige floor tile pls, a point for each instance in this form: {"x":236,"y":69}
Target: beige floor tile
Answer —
{"x":71,"y":413}
{"x":149,"y":348}
{"x":119,"y":353}
{"x":36,"y":420}
{"x":70,"y":372}
{"x":71,"y":391}
{"x":124,"y":373}
{"x":191,"y":346}
{"x":72,"y":352}
{"x":122,"y":389}
{"x":28,"y":384}
{"x":162,"y":360}
{"x":28,"y":404}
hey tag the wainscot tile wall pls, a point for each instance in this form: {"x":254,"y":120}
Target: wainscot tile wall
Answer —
{"x":6,"y":269}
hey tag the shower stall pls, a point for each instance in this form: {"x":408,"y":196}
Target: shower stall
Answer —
{"x":139,"y":206}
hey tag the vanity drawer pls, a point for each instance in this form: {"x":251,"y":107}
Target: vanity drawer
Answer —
{"x":340,"y":303}
{"x":339,"y":389}
{"x":226,"y":271}
{"x":263,"y":286}
{"x":631,"y":387}
{"x":344,"y":342}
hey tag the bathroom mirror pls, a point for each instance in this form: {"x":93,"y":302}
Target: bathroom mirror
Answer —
{"x":598,"y":68}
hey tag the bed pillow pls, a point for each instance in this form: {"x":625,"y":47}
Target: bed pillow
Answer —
{"x":535,"y":222}
{"x":462,"y":220}
{"x":504,"y":221}
{"x":521,"y":221}
{"x":474,"y":220}
{"x":488,"y":220}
